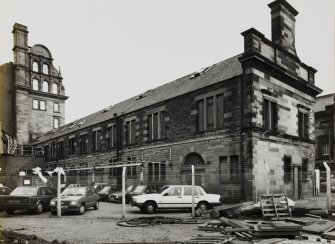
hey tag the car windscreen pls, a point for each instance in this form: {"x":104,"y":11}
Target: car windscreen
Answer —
{"x":105,"y":189}
{"x":24,"y":191}
{"x":138,"y":189}
{"x":163,"y":189}
{"x":74,"y":191}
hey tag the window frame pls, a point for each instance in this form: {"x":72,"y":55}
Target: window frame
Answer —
{"x":35,"y":66}
{"x":96,"y":140}
{"x":303,"y":128}
{"x":83,"y":144}
{"x":156,"y":126}
{"x":270,"y":114}
{"x":156,"y":172}
{"x":72,"y":146}
{"x":58,"y":122}
{"x":34,"y":83}
{"x":56,"y":110}
{"x":112,"y":136}
{"x":55,"y":86}
{"x":45,"y":84}
{"x":130,"y":132}
{"x":45,"y":67}
{"x":36,"y":102}
{"x":287,"y":168}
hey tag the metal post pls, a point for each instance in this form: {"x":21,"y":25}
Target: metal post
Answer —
{"x":59,"y":209}
{"x":267,"y":178}
{"x":329,"y":196}
{"x":193,"y":199}
{"x":123,"y":192}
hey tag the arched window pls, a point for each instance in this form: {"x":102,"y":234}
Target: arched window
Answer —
{"x":45,"y":86}
{"x":35,"y":66}
{"x":193,"y":159}
{"x":199,"y":168}
{"x":45,"y":69}
{"x":35,"y":84}
{"x":55,"y":88}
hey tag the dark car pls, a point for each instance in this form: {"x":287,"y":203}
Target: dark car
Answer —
{"x":105,"y":192}
{"x":5,"y":190}
{"x":99,"y":186}
{"x":142,"y":189}
{"x":36,"y":198}
{"x":76,"y":199}
{"x":117,"y":196}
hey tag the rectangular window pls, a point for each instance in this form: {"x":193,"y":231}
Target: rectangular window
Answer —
{"x":42,"y":105}
{"x":112,"y":136}
{"x":46,"y":153}
{"x":223,"y":169}
{"x":156,"y":126}
{"x":83,"y":147}
{"x":201,"y":115}
{"x":270,"y":115}
{"x":53,"y":151}
{"x":210,"y":113}
{"x":131,"y":171}
{"x":234,"y":169}
{"x":72,"y":146}
{"x":156,"y":172}
{"x":130,"y":132}
{"x":303,"y":124}
{"x":61,"y":149}
{"x":304,"y":168}
{"x":35,"y":104}
{"x":219,"y":111}
{"x":56,"y":123}
{"x":56,"y":107}
{"x":96,"y":140}
{"x":287,"y":168}
{"x":325,"y":149}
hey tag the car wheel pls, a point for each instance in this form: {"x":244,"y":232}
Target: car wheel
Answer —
{"x":82,"y":209}
{"x":203,"y":206}
{"x":10,"y":211}
{"x":39,"y":208}
{"x":150,"y":207}
{"x":96,"y":206}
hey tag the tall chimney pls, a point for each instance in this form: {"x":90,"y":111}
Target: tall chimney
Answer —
{"x":283,"y":25}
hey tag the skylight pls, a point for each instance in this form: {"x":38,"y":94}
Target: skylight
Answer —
{"x":144,"y":94}
{"x":200,"y":72}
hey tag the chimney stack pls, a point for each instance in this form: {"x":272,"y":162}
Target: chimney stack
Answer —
{"x":283,"y":25}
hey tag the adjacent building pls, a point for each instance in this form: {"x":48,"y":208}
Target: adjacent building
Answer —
{"x":324,"y":131}
{"x":246,"y":123}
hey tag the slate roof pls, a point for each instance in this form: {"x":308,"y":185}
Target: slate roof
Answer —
{"x":218,"y":72}
{"x":323,"y":101}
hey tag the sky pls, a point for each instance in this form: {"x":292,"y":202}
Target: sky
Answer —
{"x":110,"y":50}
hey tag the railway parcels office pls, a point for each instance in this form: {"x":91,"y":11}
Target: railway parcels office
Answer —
{"x":237,"y":121}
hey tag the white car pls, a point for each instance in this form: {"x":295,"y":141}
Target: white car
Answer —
{"x":175,"y":197}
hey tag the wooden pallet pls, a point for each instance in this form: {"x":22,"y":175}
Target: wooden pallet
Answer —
{"x":275,"y":206}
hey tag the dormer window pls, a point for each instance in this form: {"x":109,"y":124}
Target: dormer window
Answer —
{"x":45,"y":69}
{"x":45,"y":86}
{"x":54,"y":88}
{"x":35,"y":66}
{"x":35,"y":84}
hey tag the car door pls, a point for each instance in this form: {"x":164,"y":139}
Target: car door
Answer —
{"x":187,"y":196}
{"x":173,"y":198}
{"x":89,"y":197}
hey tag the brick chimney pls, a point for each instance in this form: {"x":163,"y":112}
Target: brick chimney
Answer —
{"x":283,"y":25}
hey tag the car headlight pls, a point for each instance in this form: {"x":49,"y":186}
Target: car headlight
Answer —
{"x":52,"y":203}
{"x":73,"y":203}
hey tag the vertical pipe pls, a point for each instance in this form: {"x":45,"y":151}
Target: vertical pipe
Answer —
{"x":329,"y":196}
{"x":123,"y":192}
{"x":59,"y":213}
{"x":193,"y":199}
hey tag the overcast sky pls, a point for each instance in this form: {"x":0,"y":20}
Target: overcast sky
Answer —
{"x":112,"y":50}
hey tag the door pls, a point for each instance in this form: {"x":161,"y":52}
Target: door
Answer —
{"x":297,"y":178}
{"x":173,"y":198}
{"x":187,"y":196}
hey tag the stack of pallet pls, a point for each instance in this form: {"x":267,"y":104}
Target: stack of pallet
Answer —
{"x":228,"y":227}
{"x":277,"y":229}
{"x":275,"y":206}
{"x":211,"y":238}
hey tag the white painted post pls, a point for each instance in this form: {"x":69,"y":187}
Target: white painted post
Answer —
{"x":329,"y":196}
{"x":193,"y":199}
{"x":317,"y":182}
{"x":93,"y":171}
{"x":124,"y":193}
{"x":267,"y":178}
{"x":59,"y":208}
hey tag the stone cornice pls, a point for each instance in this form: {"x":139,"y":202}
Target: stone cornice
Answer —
{"x":44,"y":94}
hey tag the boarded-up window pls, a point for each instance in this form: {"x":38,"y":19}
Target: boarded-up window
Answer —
{"x":219,"y":111}
{"x":304,"y":168}
{"x":223,"y":169}
{"x":303,"y":124}
{"x":201,"y":115}
{"x":234,"y":169}
{"x":287,"y":168}
{"x":210,"y":113}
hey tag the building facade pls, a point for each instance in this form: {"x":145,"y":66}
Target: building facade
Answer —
{"x":246,"y":123}
{"x":32,"y":92}
{"x":324,"y":131}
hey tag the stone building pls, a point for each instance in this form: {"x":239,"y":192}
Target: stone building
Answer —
{"x":32,"y":91}
{"x":246,"y":123}
{"x":32,"y":100}
{"x":324,"y":131}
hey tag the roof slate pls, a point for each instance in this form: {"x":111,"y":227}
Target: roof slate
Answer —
{"x":221,"y":71}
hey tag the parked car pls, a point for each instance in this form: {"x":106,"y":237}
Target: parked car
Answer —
{"x":175,"y":197}
{"x":76,"y":199}
{"x":323,"y":185}
{"x":36,"y":198}
{"x":4,"y":190}
{"x":117,"y":196}
{"x":142,"y":189}
{"x":99,"y":186}
{"x":105,"y":192}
